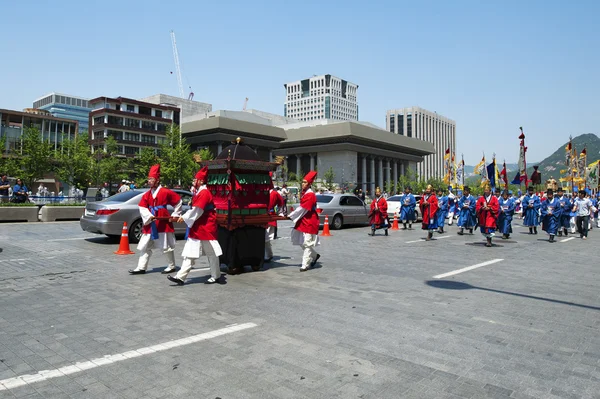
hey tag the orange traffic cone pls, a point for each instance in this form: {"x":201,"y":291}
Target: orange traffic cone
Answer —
{"x":124,"y":244}
{"x":326,"y":232}
{"x":395,"y":225}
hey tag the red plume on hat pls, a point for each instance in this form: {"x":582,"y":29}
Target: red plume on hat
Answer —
{"x":154,"y":172}
{"x":202,"y":174}
{"x":271,"y":175}
{"x":310,"y":177}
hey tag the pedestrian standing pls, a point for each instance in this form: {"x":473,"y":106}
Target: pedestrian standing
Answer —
{"x":565,"y":214}
{"x":582,"y":207}
{"x":466,"y":217}
{"x":451,"y":206}
{"x":306,"y":223}
{"x":378,"y":217}
{"x":429,"y":209}
{"x":157,"y":229}
{"x":285,"y":194}
{"x":531,"y":210}
{"x":201,"y":220}
{"x":407,"y":208}
{"x":505,"y":215}
{"x":275,"y":206}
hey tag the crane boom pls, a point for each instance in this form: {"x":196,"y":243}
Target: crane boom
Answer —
{"x":245,"y":104}
{"x":177,"y":66}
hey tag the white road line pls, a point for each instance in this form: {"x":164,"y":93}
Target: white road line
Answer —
{"x":71,"y":239}
{"x":567,"y":239}
{"x":19,"y":381}
{"x":423,"y":240}
{"x":466,"y":269}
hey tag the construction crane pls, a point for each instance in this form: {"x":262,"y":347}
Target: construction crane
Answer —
{"x":245,"y":104}
{"x":177,"y":66}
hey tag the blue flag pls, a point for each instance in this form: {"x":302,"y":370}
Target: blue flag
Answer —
{"x":491,"y":172}
{"x":517,"y":179}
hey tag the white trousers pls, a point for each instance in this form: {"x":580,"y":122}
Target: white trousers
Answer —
{"x":310,"y":254}
{"x":269,"y":236}
{"x":147,"y":253}
{"x":450,"y":218}
{"x":213,"y":262}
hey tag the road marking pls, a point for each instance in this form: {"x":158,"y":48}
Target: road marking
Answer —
{"x":466,"y":269}
{"x":71,"y":239}
{"x":423,"y":240}
{"x":567,"y":239}
{"x":19,"y":381}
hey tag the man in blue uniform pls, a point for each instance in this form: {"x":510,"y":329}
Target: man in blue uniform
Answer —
{"x":442,"y":210}
{"x":507,"y":210}
{"x":407,"y":209}
{"x":466,"y":218}
{"x":531,"y":209}
{"x":565,"y":204}
{"x":551,"y":213}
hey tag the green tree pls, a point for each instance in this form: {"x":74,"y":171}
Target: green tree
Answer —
{"x":178,"y":164}
{"x":74,"y":161}
{"x":36,"y":157}
{"x":143,"y":162}
{"x":329,"y":178}
{"x":112,"y":164}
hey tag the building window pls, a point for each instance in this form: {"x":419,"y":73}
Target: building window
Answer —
{"x":115,"y":120}
{"x":161,"y":127}
{"x":132,"y":122}
{"x":132,"y":136}
{"x":98,"y":120}
{"x":158,"y":113}
{"x":130,"y":108}
{"x":148,"y":125}
{"x":131,"y":150}
{"x":145,"y":111}
{"x":115,"y":134}
{"x":148,"y":139}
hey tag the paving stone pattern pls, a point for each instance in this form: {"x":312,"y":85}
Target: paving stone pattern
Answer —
{"x":369,"y":322}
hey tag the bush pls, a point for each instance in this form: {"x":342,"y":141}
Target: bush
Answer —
{"x":66,"y":204}
{"x":7,"y":204}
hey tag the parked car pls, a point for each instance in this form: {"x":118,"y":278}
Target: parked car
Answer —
{"x":342,"y":209}
{"x":107,"y":216}
{"x":394,"y":203}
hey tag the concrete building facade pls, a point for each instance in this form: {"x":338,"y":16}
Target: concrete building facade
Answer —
{"x":360,"y":154}
{"x":187,"y":107}
{"x":419,"y":123}
{"x":133,"y":124}
{"x":321,"y":97}
{"x":65,"y":106}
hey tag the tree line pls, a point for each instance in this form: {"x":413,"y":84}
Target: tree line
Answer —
{"x":74,"y":163}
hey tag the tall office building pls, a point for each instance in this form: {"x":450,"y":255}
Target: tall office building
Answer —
{"x":321,"y":97}
{"x":66,"y":107}
{"x":428,"y":126}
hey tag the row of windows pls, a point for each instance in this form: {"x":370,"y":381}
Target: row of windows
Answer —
{"x":129,"y":136}
{"x":130,"y":122}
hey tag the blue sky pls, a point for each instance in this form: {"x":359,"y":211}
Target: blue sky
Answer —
{"x":490,"y":66}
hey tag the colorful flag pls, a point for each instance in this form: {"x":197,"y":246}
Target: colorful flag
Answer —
{"x":460,"y":174}
{"x":491,"y":173}
{"x":503,"y":175}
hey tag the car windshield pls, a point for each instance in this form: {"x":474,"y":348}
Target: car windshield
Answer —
{"x":324,"y":199}
{"x":395,"y":198}
{"x":124,"y":196}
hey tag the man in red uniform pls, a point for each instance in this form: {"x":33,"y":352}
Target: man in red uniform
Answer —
{"x":429,"y":207}
{"x":378,"y":215}
{"x":487,"y":209}
{"x":275,"y":205}
{"x":157,"y":230}
{"x":201,"y":220}
{"x":306,"y":219}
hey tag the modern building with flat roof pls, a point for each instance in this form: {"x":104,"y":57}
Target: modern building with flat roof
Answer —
{"x":67,"y":107}
{"x":187,"y":107}
{"x":321,"y":97}
{"x":134,"y":124}
{"x":360,"y":154}
{"x":428,"y":126}
{"x":52,"y":129}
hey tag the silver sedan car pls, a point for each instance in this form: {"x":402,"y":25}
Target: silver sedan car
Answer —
{"x":107,"y":216}
{"x":342,"y":209}
{"x":394,"y":204}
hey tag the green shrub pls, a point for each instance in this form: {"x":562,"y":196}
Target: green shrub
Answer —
{"x":66,"y":204}
{"x":6,"y":204}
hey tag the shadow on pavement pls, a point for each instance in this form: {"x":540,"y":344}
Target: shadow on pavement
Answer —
{"x":482,"y":244}
{"x":457,"y":285}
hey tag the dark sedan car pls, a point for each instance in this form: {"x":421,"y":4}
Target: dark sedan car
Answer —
{"x":107,"y":216}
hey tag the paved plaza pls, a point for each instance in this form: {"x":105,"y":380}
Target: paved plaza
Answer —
{"x":380,"y":317}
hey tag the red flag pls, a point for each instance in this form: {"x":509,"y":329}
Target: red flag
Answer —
{"x":503,"y":175}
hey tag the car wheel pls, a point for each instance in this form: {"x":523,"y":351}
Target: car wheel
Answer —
{"x":337,"y":222}
{"x":135,"y":231}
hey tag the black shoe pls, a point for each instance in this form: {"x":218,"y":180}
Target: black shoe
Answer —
{"x":560,"y":233}
{"x":173,"y":270}
{"x":386,"y":232}
{"x":410,"y":226}
{"x":470,"y":231}
{"x":269,"y":260}
{"x":175,"y":280}
{"x":211,"y":281}
{"x":551,"y":239}
{"x":535,"y":230}
{"x":530,"y":230}
{"x":314,"y":262}
{"x":404,"y":228}
{"x":131,"y":271}
{"x":566,"y":233}
{"x":461,"y":232}
{"x":303,"y":270}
